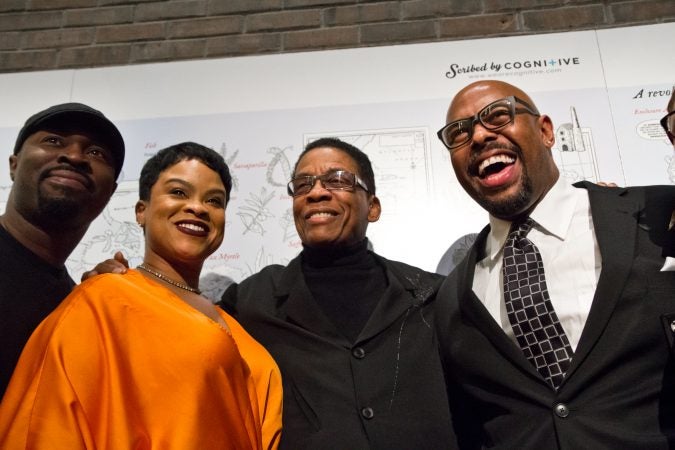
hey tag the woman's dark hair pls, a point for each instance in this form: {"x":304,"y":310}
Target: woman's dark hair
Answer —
{"x":174,"y":154}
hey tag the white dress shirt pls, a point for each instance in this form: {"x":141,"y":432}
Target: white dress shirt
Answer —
{"x":569,"y":249}
{"x":669,"y":265}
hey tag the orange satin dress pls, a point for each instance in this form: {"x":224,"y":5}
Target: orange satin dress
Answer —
{"x":123,"y":363}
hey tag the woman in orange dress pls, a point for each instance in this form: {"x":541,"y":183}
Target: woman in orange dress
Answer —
{"x":141,"y":360}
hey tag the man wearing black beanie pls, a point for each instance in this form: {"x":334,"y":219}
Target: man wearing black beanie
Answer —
{"x":64,"y":168}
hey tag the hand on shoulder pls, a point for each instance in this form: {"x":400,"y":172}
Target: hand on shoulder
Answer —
{"x":118,"y":264}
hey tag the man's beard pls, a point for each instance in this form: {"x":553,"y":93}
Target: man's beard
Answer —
{"x":511,"y":207}
{"x":58,"y":212}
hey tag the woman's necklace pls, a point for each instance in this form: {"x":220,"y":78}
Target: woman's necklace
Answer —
{"x":163,"y":277}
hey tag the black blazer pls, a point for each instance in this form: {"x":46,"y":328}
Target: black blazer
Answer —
{"x":384,"y":391}
{"x":619,"y":392}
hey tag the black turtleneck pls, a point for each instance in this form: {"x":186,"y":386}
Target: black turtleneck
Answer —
{"x":346,"y":283}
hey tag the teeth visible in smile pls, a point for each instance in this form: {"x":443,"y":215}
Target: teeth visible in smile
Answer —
{"x":493,"y":160}
{"x":321,"y":214}
{"x":192,"y":227}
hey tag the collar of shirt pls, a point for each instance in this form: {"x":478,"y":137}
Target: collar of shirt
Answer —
{"x":553,"y":215}
{"x":569,"y":250}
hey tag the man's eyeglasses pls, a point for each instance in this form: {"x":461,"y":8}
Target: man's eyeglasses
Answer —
{"x":494,"y":116}
{"x":333,"y":180}
{"x":668,"y":123}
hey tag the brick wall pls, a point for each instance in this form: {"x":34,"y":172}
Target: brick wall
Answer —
{"x":56,"y":34}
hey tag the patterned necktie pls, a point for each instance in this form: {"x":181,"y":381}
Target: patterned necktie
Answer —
{"x":528,"y":306}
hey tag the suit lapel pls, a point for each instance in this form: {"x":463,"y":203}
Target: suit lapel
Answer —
{"x":615,"y":223}
{"x":296,"y":302}
{"x":474,"y":310}
{"x":403,"y":292}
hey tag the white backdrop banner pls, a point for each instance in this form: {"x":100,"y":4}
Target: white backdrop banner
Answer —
{"x":605,"y":91}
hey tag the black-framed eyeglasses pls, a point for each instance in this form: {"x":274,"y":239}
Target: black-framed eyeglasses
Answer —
{"x":668,"y":123}
{"x":334,"y":180}
{"x":494,"y":116}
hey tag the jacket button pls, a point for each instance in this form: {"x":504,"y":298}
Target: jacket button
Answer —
{"x":368,"y":413}
{"x":359,"y":352}
{"x":561,"y":410}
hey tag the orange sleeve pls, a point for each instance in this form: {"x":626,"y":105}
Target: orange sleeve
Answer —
{"x":267,"y":378}
{"x":41,"y":408}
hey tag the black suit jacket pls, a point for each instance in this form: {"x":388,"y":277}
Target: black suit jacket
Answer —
{"x":619,"y":392}
{"x":384,"y":391}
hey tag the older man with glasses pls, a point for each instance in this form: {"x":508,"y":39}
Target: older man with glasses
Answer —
{"x":557,"y":330}
{"x":350,"y":330}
